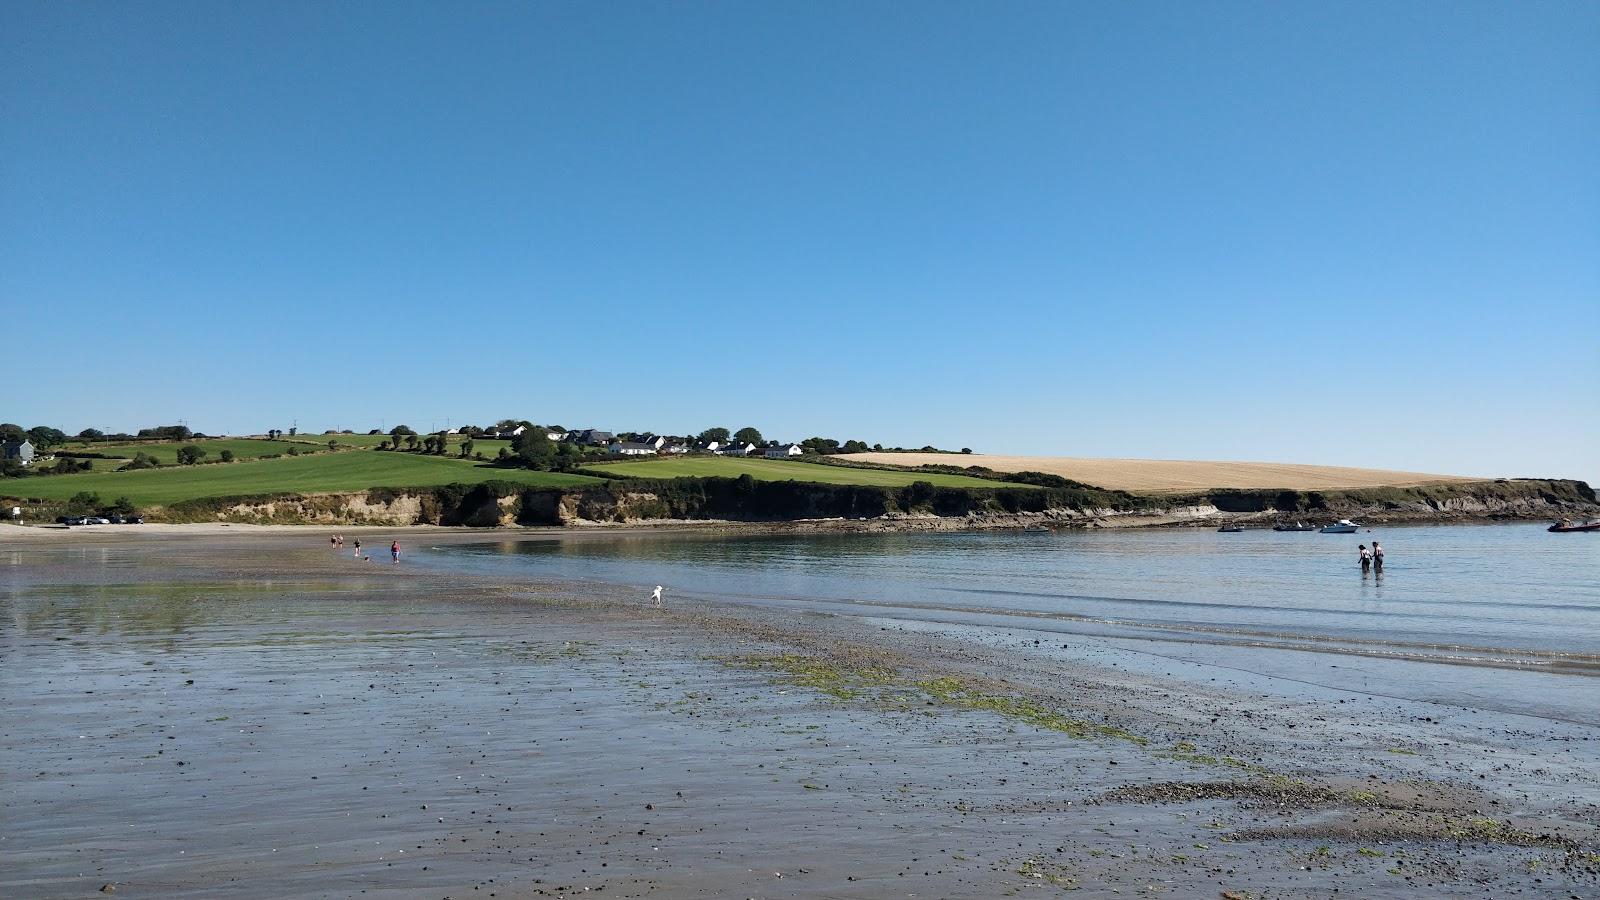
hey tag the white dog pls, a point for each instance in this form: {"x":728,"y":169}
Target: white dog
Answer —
{"x":655,"y":596}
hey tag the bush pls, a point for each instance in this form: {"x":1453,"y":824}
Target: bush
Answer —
{"x":189,"y":454}
{"x":226,"y":456}
{"x":142,"y":461}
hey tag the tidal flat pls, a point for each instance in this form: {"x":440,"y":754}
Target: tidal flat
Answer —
{"x":256,"y":716}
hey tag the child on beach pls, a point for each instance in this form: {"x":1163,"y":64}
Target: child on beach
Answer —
{"x":394,"y":552}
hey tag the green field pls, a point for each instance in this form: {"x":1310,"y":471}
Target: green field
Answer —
{"x":784,"y":470}
{"x":166,"y":452}
{"x":350,"y":470}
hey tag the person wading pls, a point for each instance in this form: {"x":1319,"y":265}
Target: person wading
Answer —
{"x":1366,"y":559}
{"x":1377,"y":557}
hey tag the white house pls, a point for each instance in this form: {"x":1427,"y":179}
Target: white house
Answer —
{"x":676,"y":448}
{"x":711,"y":446}
{"x":739,"y":448}
{"x":632,"y":448}
{"x":654,"y":440}
{"x":515,"y":432}
{"x":783,"y":452}
{"x":556,"y":435}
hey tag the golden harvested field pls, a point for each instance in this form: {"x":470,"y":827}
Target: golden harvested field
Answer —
{"x":1170,"y":475}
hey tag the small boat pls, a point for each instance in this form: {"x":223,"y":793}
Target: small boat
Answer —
{"x":1297,"y":526}
{"x":1230,"y":529}
{"x":1037,"y":529}
{"x":1343,"y":526}
{"x":1567,"y":525}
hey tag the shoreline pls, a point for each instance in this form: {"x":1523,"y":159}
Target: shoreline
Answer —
{"x":1251,"y":521}
{"x":773,"y":752}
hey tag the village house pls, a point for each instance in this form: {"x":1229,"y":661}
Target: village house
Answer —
{"x":740,"y":448}
{"x":556,"y":435}
{"x":783,"y":451}
{"x":631,"y":448}
{"x":710,"y":447}
{"x":17,"y":451}
{"x":656,"y":441}
{"x":591,"y":437}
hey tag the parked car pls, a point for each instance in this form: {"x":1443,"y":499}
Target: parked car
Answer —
{"x":132,"y":520}
{"x":96,"y":520}
{"x":73,"y":520}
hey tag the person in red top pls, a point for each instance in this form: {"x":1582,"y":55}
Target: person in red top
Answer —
{"x":394,"y":552}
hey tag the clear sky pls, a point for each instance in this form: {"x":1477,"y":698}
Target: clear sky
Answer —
{"x":1345,"y":233}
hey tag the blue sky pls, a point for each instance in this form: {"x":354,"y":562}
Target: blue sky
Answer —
{"x":1363,"y":234}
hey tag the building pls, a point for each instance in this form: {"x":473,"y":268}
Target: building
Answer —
{"x":710,"y":447}
{"x":654,"y":440}
{"x":783,"y":451}
{"x":676,"y":448}
{"x":631,"y":448}
{"x":556,"y":435}
{"x":593,"y":438}
{"x":17,"y":451}
{"x":741,"y":448}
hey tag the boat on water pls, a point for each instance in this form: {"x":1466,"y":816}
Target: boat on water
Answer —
{"x":1294,"y":526}
{"x":1567,"y":525}
{"x":1230,"y":529}
{"x":1343,"y":526}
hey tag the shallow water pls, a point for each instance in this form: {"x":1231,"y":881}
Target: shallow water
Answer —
{"x":1500,"y":597}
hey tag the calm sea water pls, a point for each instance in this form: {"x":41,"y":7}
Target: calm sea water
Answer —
{"x":1505,"y":595}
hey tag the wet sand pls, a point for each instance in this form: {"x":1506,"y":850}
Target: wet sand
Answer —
{"x":249,"y":715}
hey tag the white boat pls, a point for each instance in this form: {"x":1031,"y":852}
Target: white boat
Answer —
{"x":1343,"y":526}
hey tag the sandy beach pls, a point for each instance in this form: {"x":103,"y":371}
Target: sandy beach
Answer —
{"x":198,"y":711}
{"x":1170,"y":475}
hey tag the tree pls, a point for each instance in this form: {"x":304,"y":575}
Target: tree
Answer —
{"x":444,"y":443}
{"x":10,"y":432}
{"x":428,"y":442}
{"x":466,"y":448}
{"x":748,"y":435}
{"x":43,"y":436}
{"x":966,"y":450}
{"x":720,"y":435}
{"x":83,"y":501}
{"x":333,"y":445}
{"x":401,"y":431}
{"x":293,"y":430}
{"x":383,"y":445}
{"x":226,"y":456}
{"x":854,"y":447}
{"x":91,"y":434}
{"x":167,"y":432}
{"x":411,"y":441}
{"x":123,"y":506}
{"x":293,"y":451}
{"x":189,"y":454}
{"x":534,"y":448}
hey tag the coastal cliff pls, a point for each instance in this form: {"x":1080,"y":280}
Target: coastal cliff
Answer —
{"x":915,"y":507}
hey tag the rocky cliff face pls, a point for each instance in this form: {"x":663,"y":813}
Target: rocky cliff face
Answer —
{"x":904,"y":509}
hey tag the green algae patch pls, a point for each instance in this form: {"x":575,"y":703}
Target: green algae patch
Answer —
{"x":823,"y":676}
{"x":895,"y":690}
{"x":953,"y":692}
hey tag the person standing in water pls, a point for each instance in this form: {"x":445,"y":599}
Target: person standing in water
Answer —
{"x":358,"y":548}
{"x":1377,"y":557}
{"x":1366,"y":559}
{"x":394,"y":552}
